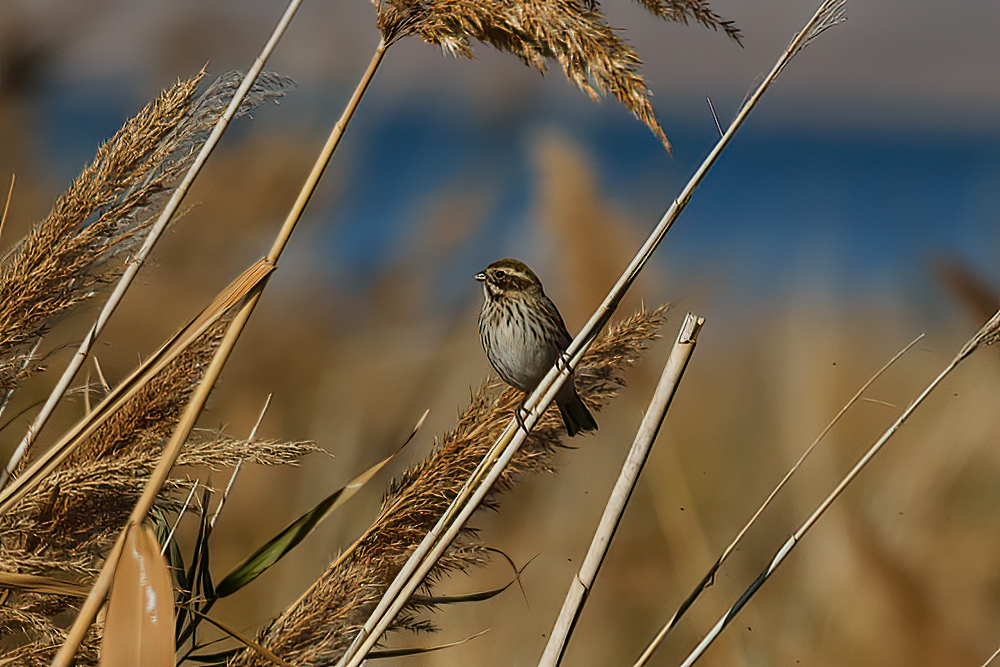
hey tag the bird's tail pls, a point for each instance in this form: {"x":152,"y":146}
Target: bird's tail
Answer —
{"x":574,"y":413}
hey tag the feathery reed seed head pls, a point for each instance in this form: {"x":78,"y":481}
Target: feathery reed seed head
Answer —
{"x":84,"y":241}
{"x":573,"y":33}
{"x":317,"y":629}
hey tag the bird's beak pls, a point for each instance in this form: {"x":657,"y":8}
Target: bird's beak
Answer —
{"x":481,"y":276}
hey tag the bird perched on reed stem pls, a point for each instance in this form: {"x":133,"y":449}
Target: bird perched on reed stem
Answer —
{"x":523,"y":334}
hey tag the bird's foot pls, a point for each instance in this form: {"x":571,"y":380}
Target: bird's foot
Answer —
{"x":520,"y":414}
{"x":562,"y":361}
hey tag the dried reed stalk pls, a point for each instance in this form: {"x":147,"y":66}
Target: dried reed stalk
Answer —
{"x":160,"y":360}
{"x":710,"y":575}
{"x":600,"y":37}
{"x":992,"y":657}
{"x":575,"y":34}
{"x":64,"y":524}
{"x":614,"y":510}
{"x":320,"y":625}
{"x":199,"y":397}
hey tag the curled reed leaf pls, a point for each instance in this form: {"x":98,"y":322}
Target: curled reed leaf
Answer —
{"x":139,"y":629}
{"x":317,"y":629}
{"x":573,"y":33}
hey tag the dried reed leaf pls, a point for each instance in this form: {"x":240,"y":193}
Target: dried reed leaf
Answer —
{"x":319,"y":626}
{"x":38,"y":584}
{"x":60,"y":516}
{"x":139,"y":629}
{"x":67,"y":524}
{"x":74,"y":517}
{"x":417,"y":650}
{"x":575,"y":34}
{"x":66,"y":521}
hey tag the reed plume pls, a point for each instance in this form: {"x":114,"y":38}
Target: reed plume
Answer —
{"x":573,"y":33}
{"x":317,"y":629}
{"x":84,"y":241}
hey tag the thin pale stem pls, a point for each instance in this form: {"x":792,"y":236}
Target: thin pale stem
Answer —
{"x":584,"y":580}
{"x":155,"y":231}
{"x":6,"y":206}
{"x":24,"y":366}
{"x":993,"y":657}
{"x":100,"y":376}
{"x":180,"y":515}
{"x":305,"y":194}
{"x":170,"y":453}
{"x":790,"y":544}
{"x":710,"y":575}
{"x":54,"y":456}
{"x":239,"y":464}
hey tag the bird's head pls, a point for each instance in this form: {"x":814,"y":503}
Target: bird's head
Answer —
{"x":505,"y":276}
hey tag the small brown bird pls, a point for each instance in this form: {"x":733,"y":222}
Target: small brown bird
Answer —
{"x":523,"y":334}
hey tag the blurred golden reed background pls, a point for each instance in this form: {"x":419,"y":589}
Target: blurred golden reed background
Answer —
{"x":902,"y":570}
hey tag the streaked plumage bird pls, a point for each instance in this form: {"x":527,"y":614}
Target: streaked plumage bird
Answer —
{"x":523,"y":334}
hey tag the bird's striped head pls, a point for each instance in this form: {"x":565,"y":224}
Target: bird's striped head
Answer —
{"x":507,"y":276}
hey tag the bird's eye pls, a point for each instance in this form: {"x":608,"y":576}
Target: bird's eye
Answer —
{"x":501,"y":274}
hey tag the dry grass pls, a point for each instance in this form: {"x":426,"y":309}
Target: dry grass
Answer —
{"x":574,"y":34}
{"x":63,"y":526}
{"x":84,"y":242}
{"x":317,"y":629}
{"x":872,"y":586}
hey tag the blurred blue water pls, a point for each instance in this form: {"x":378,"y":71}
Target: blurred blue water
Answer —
{"x":869,"y":205}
